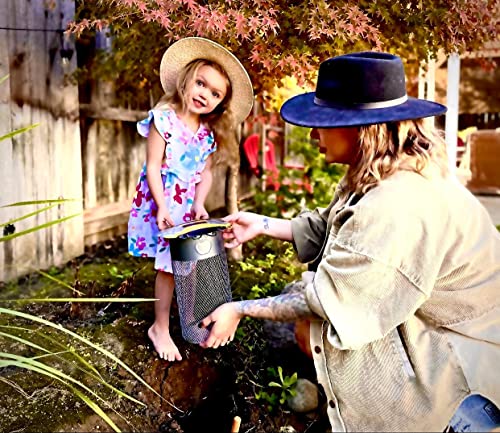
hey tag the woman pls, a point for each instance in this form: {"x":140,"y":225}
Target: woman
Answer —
{"x":403,"y":289}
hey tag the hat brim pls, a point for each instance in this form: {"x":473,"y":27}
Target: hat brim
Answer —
{"x":184,"y":51}
{"x":302,"y":111}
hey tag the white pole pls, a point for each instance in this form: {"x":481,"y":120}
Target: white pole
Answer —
{"x":452,"y":94}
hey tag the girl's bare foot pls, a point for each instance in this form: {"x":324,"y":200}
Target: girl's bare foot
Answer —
{"x":163,"y":343}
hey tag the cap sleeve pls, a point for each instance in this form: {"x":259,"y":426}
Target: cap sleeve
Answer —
{"x":162,"y":120}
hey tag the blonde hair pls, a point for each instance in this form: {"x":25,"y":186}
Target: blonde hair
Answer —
{"x":388,"y":147}
{"x":220,"y":120}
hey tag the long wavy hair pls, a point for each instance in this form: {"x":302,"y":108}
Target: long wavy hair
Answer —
{"x":388,"y":147}
{"x":220,"y":120}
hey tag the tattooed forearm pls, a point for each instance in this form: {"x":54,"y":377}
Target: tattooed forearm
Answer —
{"x":283,"y":308}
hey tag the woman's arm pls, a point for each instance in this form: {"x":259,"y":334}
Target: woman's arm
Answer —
{"x":246,"y":226}
{"x":202,"y":190}
{"x":154,"y":158}
{"x":224,"y":320}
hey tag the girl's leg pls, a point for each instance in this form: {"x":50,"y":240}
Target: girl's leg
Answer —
{"x":159,"y":333}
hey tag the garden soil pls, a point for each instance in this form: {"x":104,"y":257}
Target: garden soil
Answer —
{"x":203,"y":392}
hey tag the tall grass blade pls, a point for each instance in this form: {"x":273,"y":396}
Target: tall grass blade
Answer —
{"x":18,"y":131}
{"x":34,"y":229}
{"x":26,"y":363}
{"x":89,"y":343}
{"x":97,"y":409}
{"x":26,"y":342}
{"x":114,"y":299}
{"x":61,"y":282}
{"x":15,"y":220}
{"x":94,"y":374}
{"x":49,"y":201}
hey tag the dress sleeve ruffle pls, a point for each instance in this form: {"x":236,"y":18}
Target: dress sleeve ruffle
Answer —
{"x":162,"y":121}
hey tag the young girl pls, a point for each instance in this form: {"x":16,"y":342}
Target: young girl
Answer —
{"x":207,"y":93}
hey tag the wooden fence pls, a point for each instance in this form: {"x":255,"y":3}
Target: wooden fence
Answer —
{"x":44,"y":163}
{"x":85,"y":150}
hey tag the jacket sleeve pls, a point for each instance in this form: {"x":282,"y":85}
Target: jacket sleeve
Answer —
{"x":374,"y":274}
{"x":309,"y":229}
{"x":308,"y":233}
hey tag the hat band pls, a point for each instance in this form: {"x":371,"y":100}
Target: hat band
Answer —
{"x":363,"y":105}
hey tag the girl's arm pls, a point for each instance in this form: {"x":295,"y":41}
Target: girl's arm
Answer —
{"x":202,"y":189}
{"x":154,"y":158}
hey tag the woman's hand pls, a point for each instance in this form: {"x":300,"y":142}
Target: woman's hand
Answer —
{"x":163,"y":219}
{"x":244,"y":227}
{"x":224,"y":320}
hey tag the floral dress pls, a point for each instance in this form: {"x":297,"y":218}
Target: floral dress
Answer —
{"x":186,"y":155}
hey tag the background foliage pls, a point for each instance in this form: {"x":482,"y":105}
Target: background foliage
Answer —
{"x":277,"y":38}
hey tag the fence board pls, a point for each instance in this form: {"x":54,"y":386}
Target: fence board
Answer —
{"x":44,"y":163}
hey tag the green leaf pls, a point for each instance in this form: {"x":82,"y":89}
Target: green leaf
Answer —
{"x":89,"y":343}
{"x":30,"y":202}
{"x":58,"y":281}
{"x":40,"y":227}
{"x":28,"y":215}
{"x":18,"y":131}
{"x":29,"y":364}
{"x":113,"y":299}
{"x":280,"y":373}
{"x":26,"y":342}
{"x":96,"y":409}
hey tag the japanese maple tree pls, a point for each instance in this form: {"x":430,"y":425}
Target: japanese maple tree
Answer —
{"x":279,"y":38}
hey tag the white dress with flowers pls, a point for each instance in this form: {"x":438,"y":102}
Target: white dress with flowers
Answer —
{"x":186,"y":155}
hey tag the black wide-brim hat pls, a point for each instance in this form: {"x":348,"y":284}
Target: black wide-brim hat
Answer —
{"x":358,"y":89}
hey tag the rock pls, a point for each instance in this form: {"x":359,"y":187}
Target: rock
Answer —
{"x":280,"y":336}
{"x":306,"y":399}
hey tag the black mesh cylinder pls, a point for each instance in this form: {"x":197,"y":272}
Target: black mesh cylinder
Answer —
{"x":201,"y":276}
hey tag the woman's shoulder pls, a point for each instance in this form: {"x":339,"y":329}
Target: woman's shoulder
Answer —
{"x":410,"y":196}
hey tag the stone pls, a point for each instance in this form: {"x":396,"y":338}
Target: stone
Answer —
{"x":306,"y":398}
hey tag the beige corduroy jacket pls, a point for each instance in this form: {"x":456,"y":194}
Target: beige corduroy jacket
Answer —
{"x":407,"y":286}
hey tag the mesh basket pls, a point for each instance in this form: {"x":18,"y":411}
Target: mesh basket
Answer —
{"x":201,"y":276}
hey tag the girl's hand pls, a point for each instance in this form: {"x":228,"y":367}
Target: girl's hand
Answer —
{"x":224,"y":320}
{"x":198,"y":211}
{"x":244,"y":227}
{"x":163,"y":219}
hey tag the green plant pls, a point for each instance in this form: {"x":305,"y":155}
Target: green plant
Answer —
{"x":268,"y":265}
{"x":286,"y":388}
{"x":307,"y":188}
{"x":120,"y":274}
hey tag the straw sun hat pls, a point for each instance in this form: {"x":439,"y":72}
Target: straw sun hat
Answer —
{"x":358,"y":89}
{"x":184,"y":51}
